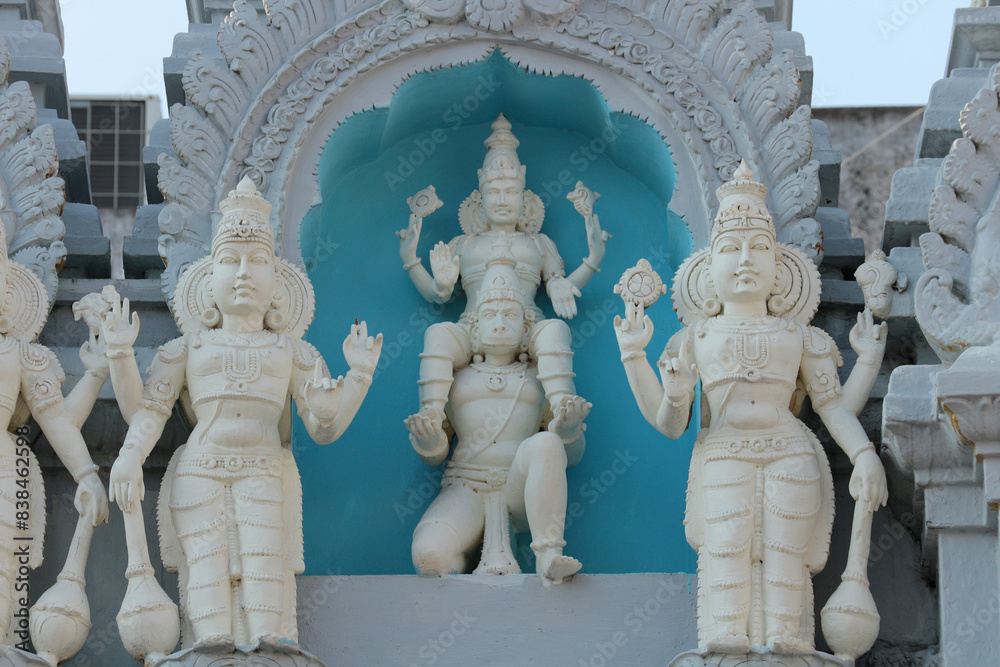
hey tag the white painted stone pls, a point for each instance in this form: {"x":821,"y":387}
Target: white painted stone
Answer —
{"x":230,"y":507}
{"x":746,"y":302}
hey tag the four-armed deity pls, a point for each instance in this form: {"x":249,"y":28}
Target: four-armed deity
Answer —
{"x":760,"y":493}
{"x":230,"y":504}
{"x":503,"y":466}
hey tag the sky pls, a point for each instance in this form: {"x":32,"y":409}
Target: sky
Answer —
{"x":865,"y":52}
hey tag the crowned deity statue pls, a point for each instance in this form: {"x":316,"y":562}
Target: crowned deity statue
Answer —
{"x":501,"y":205}
{"x":760,"y":493}
{"x":31,"y":387}
{"x":512,"y":444}
{"x":230,"y":505}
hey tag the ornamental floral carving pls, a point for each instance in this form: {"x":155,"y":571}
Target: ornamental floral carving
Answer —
{"x":716,"y":81}
{"x":957,"y":298}
{"x":32,"y":194}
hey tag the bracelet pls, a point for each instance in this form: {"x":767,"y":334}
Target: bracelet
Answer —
{"x":83,"y":472}
{"x":100,"y":375}
{"x":869,"y":446}
{"x":634,"y":354}
{"x":358,"y":376}
{"x":868,"y":362}
{"x":119,"y":352}
{"x":592,"y":267}
{"x":412,"y":263}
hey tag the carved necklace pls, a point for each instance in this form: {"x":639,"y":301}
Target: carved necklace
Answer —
{"x":752,"y":346}
{"x":495,"y":377}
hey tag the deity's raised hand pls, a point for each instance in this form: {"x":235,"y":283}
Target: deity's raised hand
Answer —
{"x":118,"y":329}
{"x":409,"y":237}
{"x":361,"y":350}
{"x":868,"y":339}
{"x":635,"y":331}
{"x":679,"y":374}
{"x":444,"y":266}
{"x":323,"y":394}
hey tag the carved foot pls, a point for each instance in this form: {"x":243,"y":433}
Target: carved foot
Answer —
{"x":556,"y":568}
{"x":736,"y":644}
{"x":792,"y":645}
{"x":218,"y":643}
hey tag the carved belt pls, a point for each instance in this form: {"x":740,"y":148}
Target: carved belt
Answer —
{"x":488,"y":482}
{"x":233,"y":466}
{"x":759,"y":447}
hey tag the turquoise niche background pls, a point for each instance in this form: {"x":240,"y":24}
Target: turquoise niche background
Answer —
{"x":365,"y":493}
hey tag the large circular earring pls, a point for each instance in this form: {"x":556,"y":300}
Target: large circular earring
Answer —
{"x":275,"y":318}
{"x":210,"y":315}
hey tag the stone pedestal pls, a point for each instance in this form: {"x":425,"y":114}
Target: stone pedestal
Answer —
{"x":761,"y":658}
{"x":241,"y":657}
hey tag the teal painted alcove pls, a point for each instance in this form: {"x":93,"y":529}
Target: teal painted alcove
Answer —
{"x":364,"y":494}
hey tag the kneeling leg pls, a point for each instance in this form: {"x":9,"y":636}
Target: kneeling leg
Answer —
{"x":451,"y":527}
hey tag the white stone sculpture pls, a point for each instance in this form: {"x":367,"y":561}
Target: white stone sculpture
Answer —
{"x":500,"y":207}
{"x":30,"y":386}
{"x":503,"y":467}
{"x":230,"y":504}
{"x":684,"y":66}
{"x":759,"y":499}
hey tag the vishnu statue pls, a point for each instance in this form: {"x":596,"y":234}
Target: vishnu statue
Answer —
{"x":501,"y":205}
{"x":512,"y":444}
{"x":760,"y":493}
{"x":230,"y":512}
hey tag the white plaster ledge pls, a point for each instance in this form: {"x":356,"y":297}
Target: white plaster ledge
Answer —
{"x":627,"y":619}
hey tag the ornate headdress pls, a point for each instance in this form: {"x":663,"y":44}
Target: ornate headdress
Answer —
{"x":500,"y":281}
{"x":501,"y":159}
{"x":742,"y":205}
{"x":246,"y":216}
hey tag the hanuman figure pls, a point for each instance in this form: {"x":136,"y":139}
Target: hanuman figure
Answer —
{"x":760,"y":493}
{"x":503,"y":467}
{"x":230,"y":504}
{"x":501,"y":205}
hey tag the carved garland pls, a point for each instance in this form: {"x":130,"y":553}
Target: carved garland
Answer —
{"x":730,"y":91}
{"x":956,"y":299}
{"x":31,"y":195}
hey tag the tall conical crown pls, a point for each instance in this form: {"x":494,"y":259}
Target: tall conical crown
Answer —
{"x":501,"y":154}
{"x":245,"y":217}
{"x":500,"y":280}
{"x":742,"y":205}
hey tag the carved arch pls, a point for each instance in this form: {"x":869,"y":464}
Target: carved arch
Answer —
{"x":31,"y":195}
{"x":957,"y":299}
{"x":712,"y":85}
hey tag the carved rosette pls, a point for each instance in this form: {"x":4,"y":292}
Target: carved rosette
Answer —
{"x":956,"y":298}
{"x":717,"y":83}
{"x":31,"y":195}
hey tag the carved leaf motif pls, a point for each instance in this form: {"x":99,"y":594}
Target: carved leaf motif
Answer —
{"x":771,"y":91}
{"x":980,"y":120}
{"x":940,"y":255}
{"x":44,"y":262}
{"x":40,"y":199}
{"x":197,"y":140}
{"x":797,"y":196}
{"x":40,"y":231}
{"x":4,"y":60}
{"x":790,"y":142}
{"x":215,"y":90}
{"x":296,"y":20}
{"x":494,"y":15}
{"x":248,"y":46}
{"x":971,"y":174}
{"x":740,"y":41}
{"x":439,"y":11}
{"x":31,"y":159}
{"x":17,"y":111}
{"x":952,"y":218}
{"x":690,"y":18}
{"x":179,"y":182}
